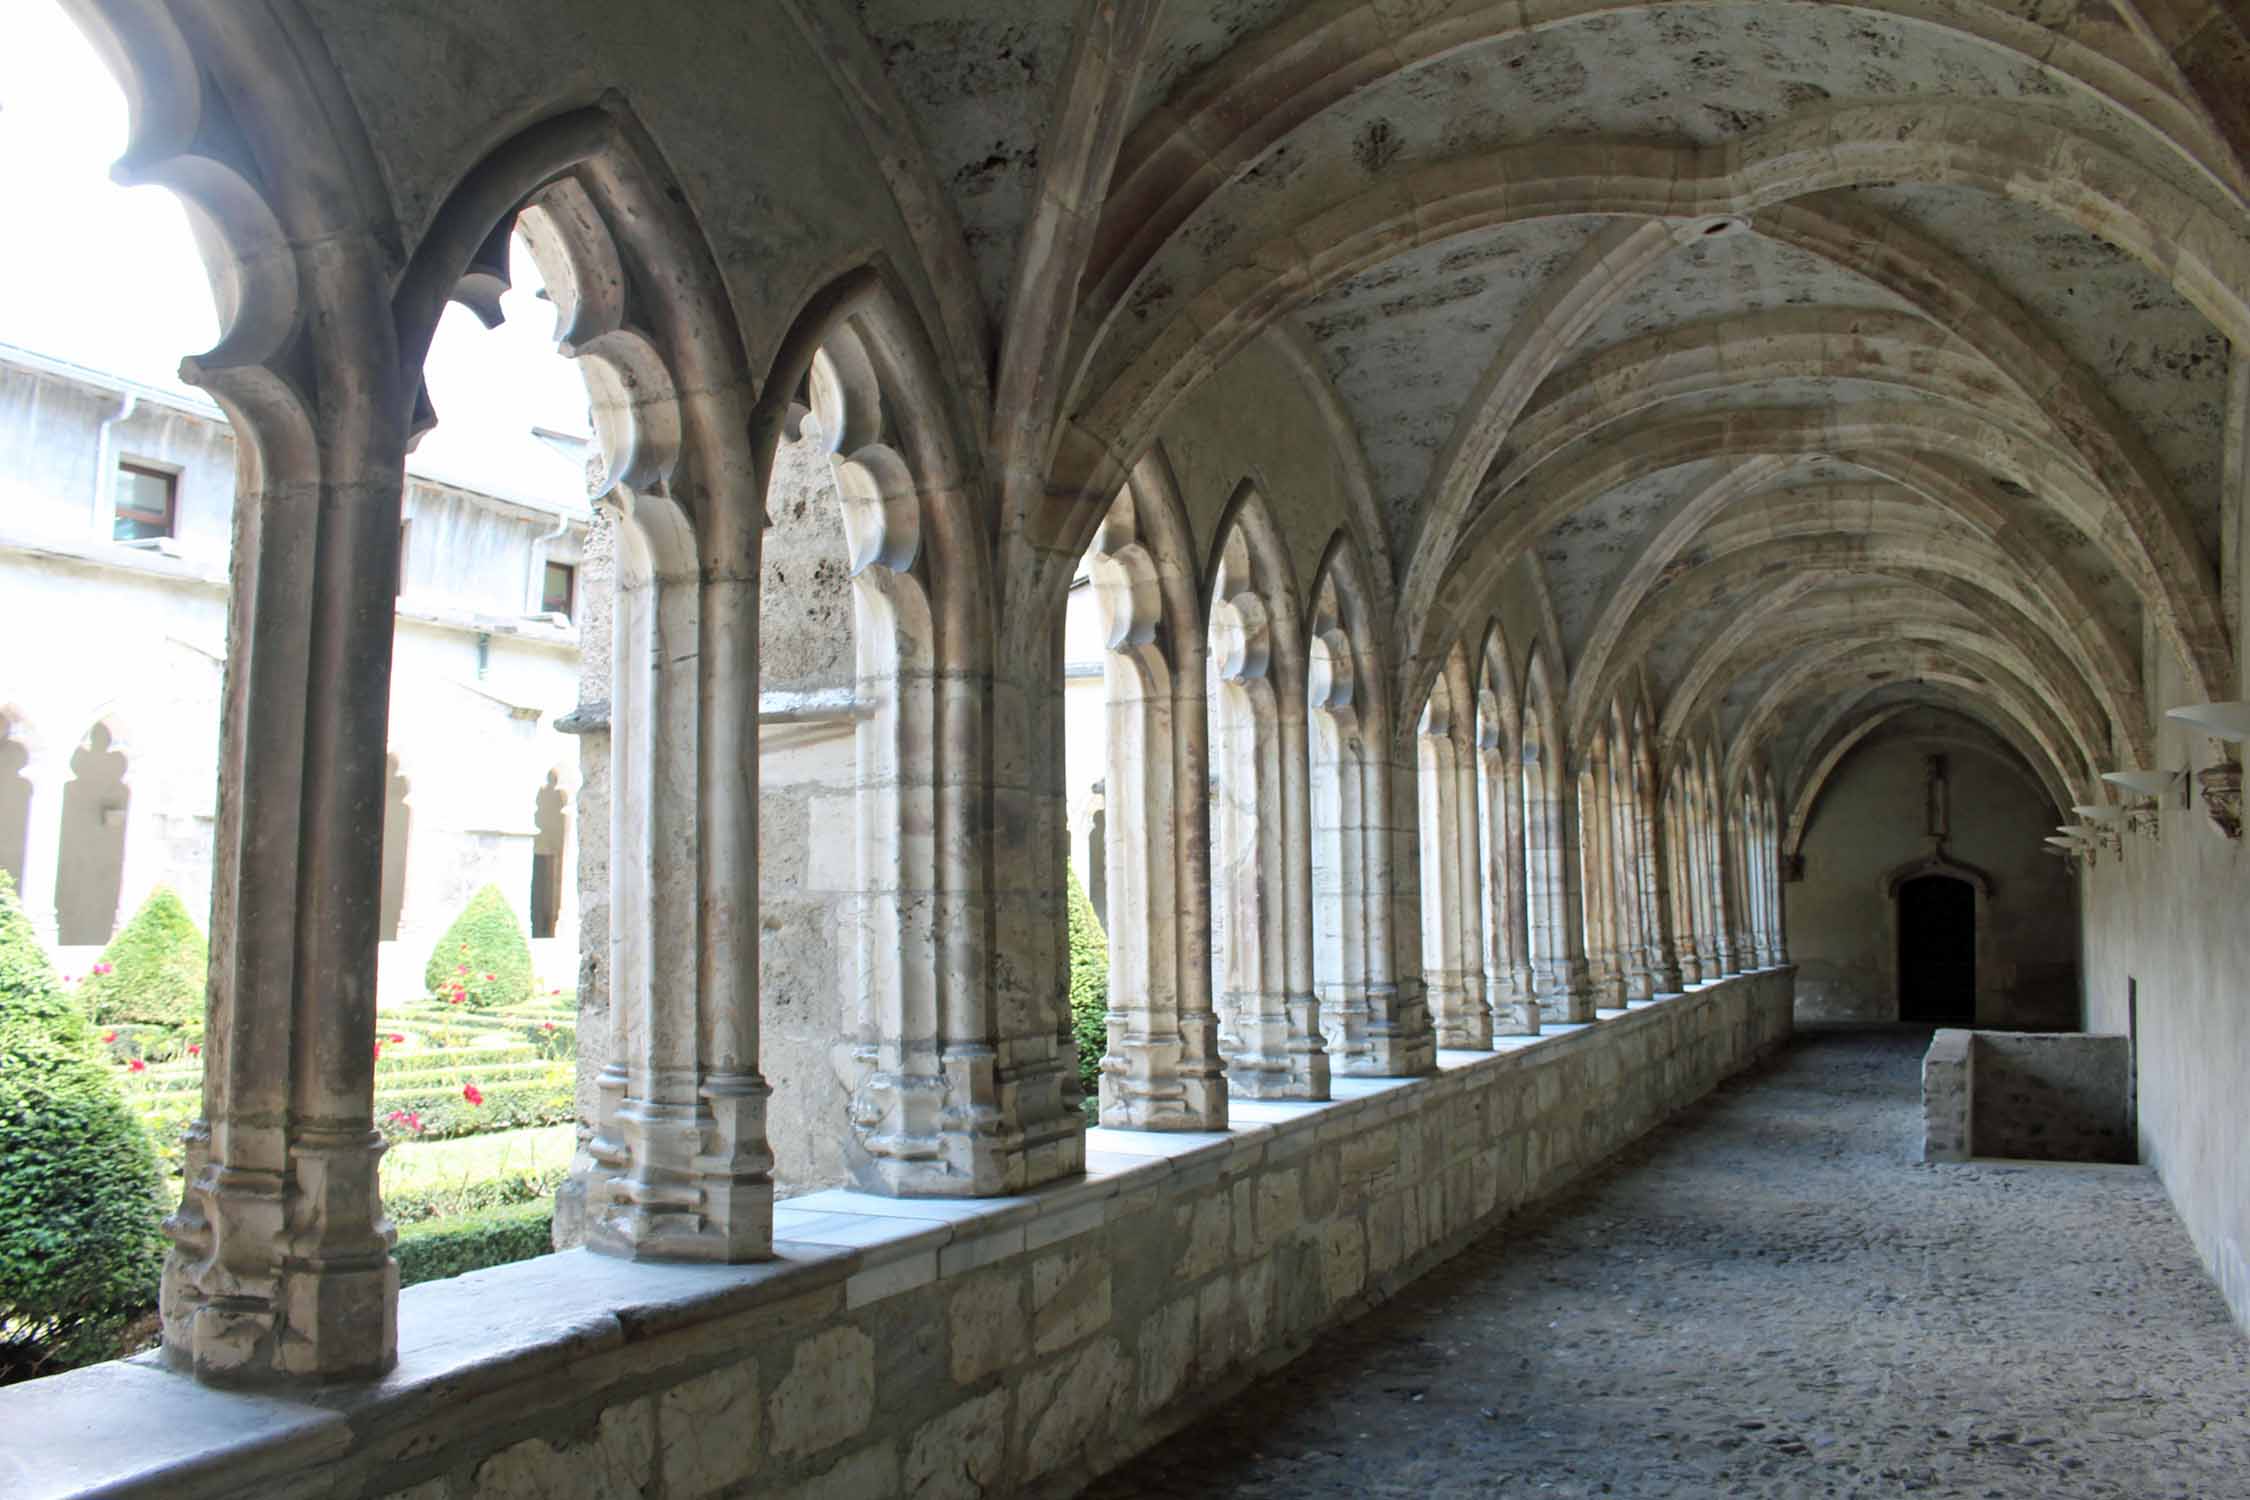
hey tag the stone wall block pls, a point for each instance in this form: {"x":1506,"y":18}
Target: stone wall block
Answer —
{"x":828,"y":1395}
{"x":707,"y":1431}
{"x":857,"y":1476}
{"x":1320,"y":1184}
{"x":1167,"y":1352}
{"x":1386,"y":1233}
{"x":985,"y":1325}
{"x":618,"y":1458}
{"x":1066,"y":1405}
{"x":962,"y":1454}
{"x":1343,"y":1259}
{"x":1069,"y":1297}
{"x":1203,"y":1231}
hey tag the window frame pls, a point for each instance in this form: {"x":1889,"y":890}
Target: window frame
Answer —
{"x":569,"y":611}
{"x":121,"y":514}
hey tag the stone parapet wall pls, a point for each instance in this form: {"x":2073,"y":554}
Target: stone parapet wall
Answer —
{"x":926,"y":1347}
{"x":2031,"y":1096}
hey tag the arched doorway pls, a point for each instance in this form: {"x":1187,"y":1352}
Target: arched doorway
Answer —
{"x":1937,"y":950}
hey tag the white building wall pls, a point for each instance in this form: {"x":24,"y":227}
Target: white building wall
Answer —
{"x":134,"y":637}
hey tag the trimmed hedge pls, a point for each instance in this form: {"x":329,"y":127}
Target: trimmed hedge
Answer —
{"x":1089,"y":984}
{"x":440,"y":1248}
{"x":79,"y":1248}
{"x":158,"y":967}
{"x":447,"y":1114}
{"x":508,"y":1190}
{"x":484,"y":959}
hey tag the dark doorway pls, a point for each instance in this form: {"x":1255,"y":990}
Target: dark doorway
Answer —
{"x":1937,"y":951}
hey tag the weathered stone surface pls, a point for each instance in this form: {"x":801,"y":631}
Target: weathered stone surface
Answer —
{"x":1166,"y":1352}
{"x":959,"y":1455}
{"x":828,"y":1393}
{"x":857,"y":1476}
{"x":708,"y":1431}
{"x":985,"y":1322}
{"x":1069,"y":1297}
{"x":617,"y":1458}
{"x":1062,"y":1406}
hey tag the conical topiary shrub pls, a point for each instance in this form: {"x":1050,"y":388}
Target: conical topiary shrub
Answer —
{"x":78,"y":1182}
{"x":154,"y":971}
{"x":1089,"y":984}
{"x":483,"y":961}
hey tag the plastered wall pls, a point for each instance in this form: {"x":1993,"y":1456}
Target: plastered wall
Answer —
{"x":2170,"y":920}
{"x":1870,"y":821}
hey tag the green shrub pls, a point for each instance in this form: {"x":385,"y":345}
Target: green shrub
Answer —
{"x":79,"y":1248}
{"x":1089,"y":985}
{"x":483,"y":962}
{"x":153,"y":972}
{"x":440,"y":1248}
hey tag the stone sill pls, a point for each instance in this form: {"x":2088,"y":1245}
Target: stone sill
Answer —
{"x":494,"y":1342}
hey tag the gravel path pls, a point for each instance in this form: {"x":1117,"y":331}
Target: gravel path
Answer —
{"x":1771,"y":1296}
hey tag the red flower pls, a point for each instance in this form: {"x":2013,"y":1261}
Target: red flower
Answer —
{"x":490,"y":977}
{"x":396,"y":1037}
{"x":378,"y":1051}
{"x":108,"y":1037}
{"x":460,"y":968}
{"x":546,"y":1026}
{"x":137,"y":1066}
{"x":195,"y":1049}
{"x":554,"y":992}
{"x":105,"y":968}
{"x":472,"y":1093}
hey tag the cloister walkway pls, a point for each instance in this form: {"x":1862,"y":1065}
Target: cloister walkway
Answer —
{"x":1772,"y":1296}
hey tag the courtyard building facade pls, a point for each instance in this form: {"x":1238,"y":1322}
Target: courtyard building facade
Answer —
{"x":116,"y":522}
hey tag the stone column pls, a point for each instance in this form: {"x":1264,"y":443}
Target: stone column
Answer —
{"x":1656,"y":882}
{"x":1679,"y":843}
{"x":1401,"y":1041}
{"x":1635,"y":948}
{"x":1507,"y":974}
{"x":677,"y":1166}
{"x":48,"y":774}
{"x":280,"y":1263}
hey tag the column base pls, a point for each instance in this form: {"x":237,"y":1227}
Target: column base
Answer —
{"x":932,"y":1135}
{"x":676,"y":1181}
{"x":241,"y":1303}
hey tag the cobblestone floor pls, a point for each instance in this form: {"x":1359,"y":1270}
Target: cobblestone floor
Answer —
{"x":1772,"y":1296}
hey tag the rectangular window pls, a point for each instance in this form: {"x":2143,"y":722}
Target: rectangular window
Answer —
{"x":146,"y":499}
{"x":560,"y":592}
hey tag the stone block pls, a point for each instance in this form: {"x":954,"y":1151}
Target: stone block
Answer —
{"x":856,"y":1476}
{"x":1064,"y":1406}
{"x":1069,"y":1297}
{"x":1344,"y":1259}
{"x":617,"y":1459}
{"x":707,"y":1431}
{"x":828,"y":1395}
{"x":1166,"y":1353}
{"x":985,"y":1325}
{"x":960,"y":1455}
{"x":1204,"y":1234}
